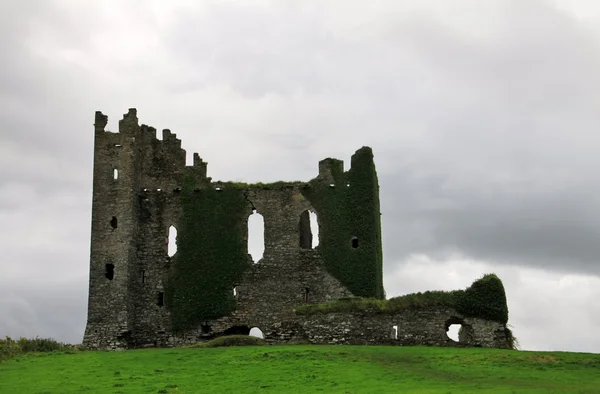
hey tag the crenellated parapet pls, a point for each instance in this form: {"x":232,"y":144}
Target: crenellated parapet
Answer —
{"x":159,"y":163}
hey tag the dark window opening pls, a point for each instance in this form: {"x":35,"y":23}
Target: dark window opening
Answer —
{"x":305,"y":233}
{"x":237,"y":330}
{"x":309,"y":230}
{"x":355,"y":242}
{"x":113,"y":222}
{"x":161,"y":299}
{"x":110,"y":271}
{"x":143,"y":276}
{"x":205,"y":328}
{"x":306,"y":295}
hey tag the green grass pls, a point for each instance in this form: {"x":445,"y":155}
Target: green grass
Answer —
{"x":302,"y":369}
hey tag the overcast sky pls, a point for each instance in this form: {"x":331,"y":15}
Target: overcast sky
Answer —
{"x":484,"y":117}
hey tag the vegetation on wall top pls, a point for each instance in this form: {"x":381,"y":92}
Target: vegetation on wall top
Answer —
{"x":485,"y":299}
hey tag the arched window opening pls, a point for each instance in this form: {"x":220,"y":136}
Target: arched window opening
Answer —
{"x":256,"y":236}
{"x":256,"y":332}
{"x":309,"y":230}
{"x":452,"y":331}
{"x":110,"y":271}
{"x":354,"y":242}
{"x":172,"y":242}
{"x":113,"y":222}
{"x":115,"y":174}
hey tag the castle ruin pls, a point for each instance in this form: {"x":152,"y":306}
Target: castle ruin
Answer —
{"x":140,"y":296}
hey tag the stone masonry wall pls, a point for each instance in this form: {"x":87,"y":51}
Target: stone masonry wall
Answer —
{"x":427,"y":326}
{"x":136,"y":198}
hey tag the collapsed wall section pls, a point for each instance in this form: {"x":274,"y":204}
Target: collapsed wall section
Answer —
{"x":424,"y":326}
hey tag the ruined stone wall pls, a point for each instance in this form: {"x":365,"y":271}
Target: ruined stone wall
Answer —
{"x":426,"y":326}
{"x":132,"y":277}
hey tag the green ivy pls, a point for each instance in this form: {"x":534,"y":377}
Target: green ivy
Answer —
{"x":211,"y":256}
{"x":351,"y":211}
{"x":485,"y":299}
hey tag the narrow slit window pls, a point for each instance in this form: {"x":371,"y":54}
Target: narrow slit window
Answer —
{"x":355,"y":242}
{"x":306,"y":295}
{"x":172,"y":241}
{"x":143,"y":276}
{"x":115,"y":174}
{"x":110,"y":271}
{"x":256,"y":236}
{"x":161,"y":299}
{"x":113,"y":222}
{"x":309,"y":230}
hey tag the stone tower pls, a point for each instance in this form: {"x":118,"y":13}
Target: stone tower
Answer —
{"x":140,"y":296}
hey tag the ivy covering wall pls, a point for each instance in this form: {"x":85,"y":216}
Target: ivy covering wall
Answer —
{"x":207,"y":264}
{"x":351,"y":209}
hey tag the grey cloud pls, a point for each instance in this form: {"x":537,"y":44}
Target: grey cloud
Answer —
{"x":484,"y":130}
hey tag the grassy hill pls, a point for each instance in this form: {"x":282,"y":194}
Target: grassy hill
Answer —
{"x":302,"y":369}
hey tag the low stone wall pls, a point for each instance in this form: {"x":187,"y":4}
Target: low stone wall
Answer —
{"x":412,"y":327}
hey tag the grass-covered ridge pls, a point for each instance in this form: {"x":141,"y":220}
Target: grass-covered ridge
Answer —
{"x":231,"y":340}
{"x":485,"y":298}
{"x":10,"y":348}
{"x":302,"y":369}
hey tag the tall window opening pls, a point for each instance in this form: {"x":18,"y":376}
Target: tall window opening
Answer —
{"x":172,"y":241}
{"x":143,"y":276}
{"x":161,"y":299}
{"x":452,"y":331}
{"x":110,"y":271}
{"x":394,"y":332}
{"x":113,"y":222}
{"x":309,"y":230}
{"x":256,"y":236}
{"x":354,"y":242}
{"x":256,"y":332}
{"x":115,"y":174}
{"x":306,"y":295}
